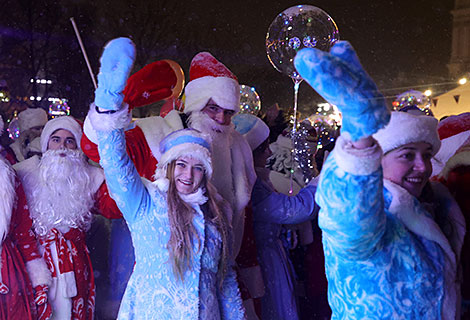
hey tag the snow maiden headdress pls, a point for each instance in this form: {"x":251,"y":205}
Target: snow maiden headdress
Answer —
{"x":406,"y":128}
{"x":185,"y":142}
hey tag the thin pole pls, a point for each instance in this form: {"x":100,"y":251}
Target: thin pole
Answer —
{"x":84,"y":52}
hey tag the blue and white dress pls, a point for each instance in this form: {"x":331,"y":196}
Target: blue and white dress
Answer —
{"x":385,"y":256}
{"x":153,"y":291}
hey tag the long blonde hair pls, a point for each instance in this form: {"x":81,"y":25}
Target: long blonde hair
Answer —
{"x":182,"y":230}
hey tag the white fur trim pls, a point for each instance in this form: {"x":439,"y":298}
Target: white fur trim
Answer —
{"x":38,"y":272}
{"x":224,"y":91}
{"x":18,"y":150}
{"x":253,"y":280}
{"x":405,"y":128}
{"x":253,"y":129}
{"x":89,"y":131}
{"x":65,"y":122}
{"x":109,"y":121}
{"x":157,"y":128}
{"x":459,"y":159}
{"x":195,"y":198}
{"x":192,"y":150}
{"x":357,"y":161}
{"x":448,"y":148}
{"x":403,"y":207}
{"x":97,"y":176}
{"x":162,"y":184}
{"x":31,"y":117}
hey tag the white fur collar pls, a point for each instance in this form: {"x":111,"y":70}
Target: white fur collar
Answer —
{"x":197,"y":197}
{"x":194,"y":198}
{"x":403,"y":206}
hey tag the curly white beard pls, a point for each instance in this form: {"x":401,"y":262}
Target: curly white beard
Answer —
{"x":62,"y":196}
{"x":221,"y":141}
{"x":7,"y":197}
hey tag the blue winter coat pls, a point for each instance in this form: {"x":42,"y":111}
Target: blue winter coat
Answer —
{"x":386,"y":258}
{"x":270,"y":211}
{"x":153,"y":291}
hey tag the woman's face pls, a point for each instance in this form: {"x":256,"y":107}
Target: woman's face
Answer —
{"x":189,"y":173}
{"x":409,"y":166}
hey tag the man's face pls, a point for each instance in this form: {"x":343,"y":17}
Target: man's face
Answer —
{"x":218,"y":114}
{"x":62,"y":139}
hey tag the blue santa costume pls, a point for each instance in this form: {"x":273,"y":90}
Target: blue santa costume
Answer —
{"x":386,"y":256}
{"x":154,"y":291}
{"x":270,"y":211}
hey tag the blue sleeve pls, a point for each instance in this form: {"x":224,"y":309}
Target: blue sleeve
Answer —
{"x":278,"y":208}
{"x":230,"y":301}
{"x":352,"y":215}
{"x":124,"y":183}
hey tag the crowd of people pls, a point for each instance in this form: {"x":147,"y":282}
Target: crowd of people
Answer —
{"x":197,"y":213}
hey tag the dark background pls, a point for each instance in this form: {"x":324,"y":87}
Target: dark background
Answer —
{"x":403,"y":44}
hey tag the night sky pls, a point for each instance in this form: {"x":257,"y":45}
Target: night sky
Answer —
{"x":402,"y":43}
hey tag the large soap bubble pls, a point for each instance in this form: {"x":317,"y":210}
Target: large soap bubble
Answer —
{"x":295,"y":28}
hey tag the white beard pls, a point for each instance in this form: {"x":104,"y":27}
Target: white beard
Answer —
{"x":7,"y":197}
{"x":221,"y":141}
{"x":62,"y":194}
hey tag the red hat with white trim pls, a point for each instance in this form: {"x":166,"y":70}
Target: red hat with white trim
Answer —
{"x":210,"y":79}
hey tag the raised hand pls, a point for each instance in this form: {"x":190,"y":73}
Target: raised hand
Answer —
{"x":116,"y":64}
{"x":339,"y":78}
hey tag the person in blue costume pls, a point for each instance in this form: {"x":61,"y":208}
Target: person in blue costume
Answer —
{"x":179,"y":224}
{"x":392,"y":239}
{"x":271,"y":210}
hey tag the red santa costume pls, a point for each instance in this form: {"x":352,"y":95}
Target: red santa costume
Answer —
{"x":454,"y":133}
{"x":21,"y":266}
{"x":60,"y":189}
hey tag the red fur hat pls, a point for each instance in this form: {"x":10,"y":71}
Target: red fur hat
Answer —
{"x":152,"y":83}
{"x":210,"y":79}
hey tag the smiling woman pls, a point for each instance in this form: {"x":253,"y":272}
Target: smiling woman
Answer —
{"x":179,"y":228}
{"x":392,"y":239}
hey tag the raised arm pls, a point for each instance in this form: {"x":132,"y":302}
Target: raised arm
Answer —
{"x":350,"y":192}
{"x":274,"y":207}
{"x":108,"y":117}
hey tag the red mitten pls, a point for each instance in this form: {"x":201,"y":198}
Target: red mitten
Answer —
{"x":43,"y":307}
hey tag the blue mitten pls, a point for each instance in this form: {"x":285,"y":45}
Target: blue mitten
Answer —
{"x":339,"y":78}
{"x":116,"y":63}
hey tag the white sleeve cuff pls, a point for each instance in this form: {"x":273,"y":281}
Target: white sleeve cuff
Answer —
{"x":357,"y":161}
{"x":96,"y":121}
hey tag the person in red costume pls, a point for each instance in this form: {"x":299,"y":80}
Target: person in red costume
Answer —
{"x":454,"y":133}
{"x":21,"y":266}
{"x":60,"y":188}
{"x":212,"y":97}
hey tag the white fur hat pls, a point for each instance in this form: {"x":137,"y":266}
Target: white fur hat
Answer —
{"x":31,"y":117}
{"x":406,"y":128}
{"x":65,"y":122}
{"x":210,"y":79}
{"x":184,"y":142}
{"x":253,"y":129}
